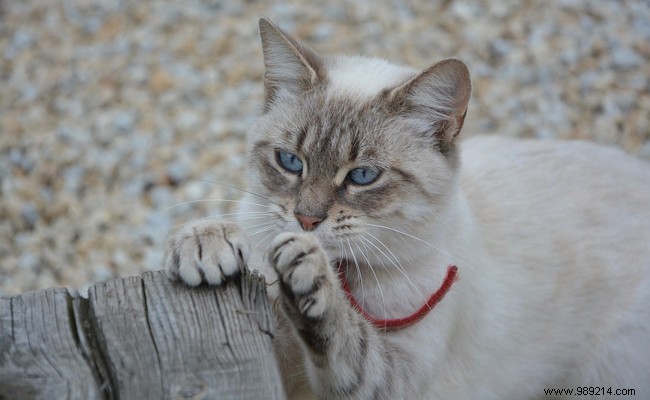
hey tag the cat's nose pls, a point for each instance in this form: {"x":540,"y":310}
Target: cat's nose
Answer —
{"x":309,"y":222}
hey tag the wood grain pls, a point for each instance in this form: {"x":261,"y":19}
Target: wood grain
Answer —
{"x":40,"y":356}
{"x":140,"y":338}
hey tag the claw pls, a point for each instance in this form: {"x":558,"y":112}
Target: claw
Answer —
{"x":206,"y":251}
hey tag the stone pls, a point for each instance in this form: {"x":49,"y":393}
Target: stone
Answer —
{"x":118,"y":118}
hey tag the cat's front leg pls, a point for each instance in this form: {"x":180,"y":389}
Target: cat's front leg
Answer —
{"x":206,"y":251}
{"x":347,"y":358}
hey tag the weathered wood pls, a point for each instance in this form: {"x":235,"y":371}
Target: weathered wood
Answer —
{"x":40,"y":356}
{"x":140,"y":338}
{"x":117,"y":313}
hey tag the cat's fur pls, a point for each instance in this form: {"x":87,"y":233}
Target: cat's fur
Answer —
{"x":552,"y":240}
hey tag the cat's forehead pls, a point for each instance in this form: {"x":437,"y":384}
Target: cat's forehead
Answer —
{"x":336,"y":129}
{"x":362,"y":78}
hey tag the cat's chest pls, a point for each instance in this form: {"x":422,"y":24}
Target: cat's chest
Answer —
{"x":397,"y":295}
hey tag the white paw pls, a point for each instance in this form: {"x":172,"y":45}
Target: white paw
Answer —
{"x":206,"y":251}
{"x":304,"y":272}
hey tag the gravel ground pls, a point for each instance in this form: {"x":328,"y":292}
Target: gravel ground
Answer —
{"x":117,"y":118}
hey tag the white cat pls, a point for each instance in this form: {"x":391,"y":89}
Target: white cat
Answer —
{"x":356,"y":166}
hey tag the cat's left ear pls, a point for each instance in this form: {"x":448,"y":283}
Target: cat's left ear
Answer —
{"x":291,"y":67}
{"x":437,"y":98}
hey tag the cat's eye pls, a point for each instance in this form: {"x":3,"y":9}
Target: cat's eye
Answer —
{"x":289,"y":161}
{"x":363,"y":175}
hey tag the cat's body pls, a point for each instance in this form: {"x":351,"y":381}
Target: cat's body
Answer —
{"x":551,"y":240}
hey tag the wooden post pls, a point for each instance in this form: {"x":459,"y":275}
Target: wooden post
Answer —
{"x":140,"y":338}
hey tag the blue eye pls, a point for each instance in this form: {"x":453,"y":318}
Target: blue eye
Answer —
{"x":289,"y":161}
{"x":363,"y":176}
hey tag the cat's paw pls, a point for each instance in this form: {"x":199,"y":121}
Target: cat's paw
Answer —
{"x":303,"y":269}
{"x":206,"y":251}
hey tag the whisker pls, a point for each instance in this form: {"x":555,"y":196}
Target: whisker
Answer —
{"x":244,"y":216}
{"x":210,"y":200}
{"x":238,"y":188}
{"x":383,"y":263}
{"x":262,"y":229}
{"x":270,"y":235}
{"x":380,"y":259}
{"x":381,"y":293}
{"x":386,"y":247}
{"x":457,"y":259}
{"x":340,"y":253}
{"x":374,"y":253}
{"x":183,"y":224}
{"x":356,"y":264}
{"x":265,"y":223}
{"x":400,"y":269}
{"x":438,"y":217}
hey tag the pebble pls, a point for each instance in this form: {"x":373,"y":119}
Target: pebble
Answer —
{"x":177,"y":172}
{"x":116,"y":116}
{"x":28,"y":262}
{"x":30,"y":214}
{"x":624,"y":58}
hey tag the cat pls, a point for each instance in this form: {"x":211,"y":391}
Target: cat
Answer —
{"x":537,"y":253}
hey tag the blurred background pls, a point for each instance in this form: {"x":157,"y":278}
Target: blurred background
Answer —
{"x":118,"y":117}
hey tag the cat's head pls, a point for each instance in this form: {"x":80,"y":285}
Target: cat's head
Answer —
{"x":354,"y":149}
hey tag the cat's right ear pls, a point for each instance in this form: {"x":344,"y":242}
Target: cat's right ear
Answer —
{"x":291,"y":67}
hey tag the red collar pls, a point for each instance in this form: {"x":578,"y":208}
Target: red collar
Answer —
{"x":399,"y":323}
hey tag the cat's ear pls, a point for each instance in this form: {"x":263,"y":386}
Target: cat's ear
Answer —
{"x":291,"y":67}
{"x":438,"y":98}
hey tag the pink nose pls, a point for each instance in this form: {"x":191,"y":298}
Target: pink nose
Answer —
{"x":308,"y":222}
